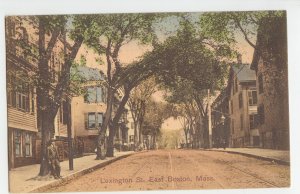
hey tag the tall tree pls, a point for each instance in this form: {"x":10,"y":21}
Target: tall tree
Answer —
{"x":137,"y":104}
{"x":106,"y":36}
{"x":52,"y":82}
{"x":154,"y":117}
{"x":266,"y":32}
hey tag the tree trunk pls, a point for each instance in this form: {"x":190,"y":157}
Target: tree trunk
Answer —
{"x":120,"y":110}
{"x":154,"y":141}
{"x":135,"y":135}
{"x":101,"y":137}
{"x":47,"y":125}
{"x":110,"y":144}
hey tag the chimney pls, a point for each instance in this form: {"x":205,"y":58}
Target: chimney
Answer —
{"x":239,"y":59}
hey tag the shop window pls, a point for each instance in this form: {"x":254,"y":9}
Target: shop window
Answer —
{"x":28,"y":145}
{"x":18,"y":143}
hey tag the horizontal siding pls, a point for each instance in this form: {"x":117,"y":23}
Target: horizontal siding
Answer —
{"x":20,"y":119}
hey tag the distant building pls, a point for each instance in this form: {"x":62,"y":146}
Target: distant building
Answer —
{"x":221,"y":120}
{"x":130,"y":126}
{"x":88,"y":111}
{"x":242,"y":96}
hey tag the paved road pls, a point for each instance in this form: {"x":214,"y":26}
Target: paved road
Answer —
{"x":182,"y":169}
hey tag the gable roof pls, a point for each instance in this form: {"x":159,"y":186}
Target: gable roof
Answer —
{"x":244,"y":73}
{"x":91,"y":74}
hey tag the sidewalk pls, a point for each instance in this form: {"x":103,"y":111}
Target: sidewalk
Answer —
{"x":278,"y":156}
{"x":24,"y":179}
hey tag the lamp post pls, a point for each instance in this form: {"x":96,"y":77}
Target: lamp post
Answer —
{"x":223,"y":131}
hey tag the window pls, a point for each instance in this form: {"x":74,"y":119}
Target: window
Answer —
{"x":99,"y":95}
{"x":94,"y":95}
{"x":132,"y":125}
{"x":65,"y":113}
{"x":242,"y":122}
{"x":28,"y":146}
{"x":231,"y":105}
{"x":18,"y":93}
{"x":100,"y":119}
{"x":252,"y":97}
{"x":241,"y":100}
{"x":91,"y":120}
{"x":131,"y":138}
{"x":32,"y":101}
{"x":23,"y":96}
{"x":236,"y":85}
{"x":260,"y":84}
{"x":253,"y":121}
{"x":261,"y":114}
{"x":11,"y":90}
{"x":18,"y":147}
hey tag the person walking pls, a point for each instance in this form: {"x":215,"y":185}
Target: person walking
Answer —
{"x":53,"y":159}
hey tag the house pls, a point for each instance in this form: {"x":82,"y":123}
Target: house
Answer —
{"x":130,"y":126}
{"x":21,"y":99}
{"x":24,"y":136}
{"x":242,"y":98}
{"x":270,"y":65}
{"x":88,"y":110}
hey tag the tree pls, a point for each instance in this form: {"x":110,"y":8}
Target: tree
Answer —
{"x":52,"y":84}
{"x":107,"y":34}
{"x":189,"y":67}
{"x":137,"y":103}
{"x":266,"y":32}
{"x":154,"y":117}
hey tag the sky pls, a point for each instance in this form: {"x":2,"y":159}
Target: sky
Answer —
{"x":132,"y":51}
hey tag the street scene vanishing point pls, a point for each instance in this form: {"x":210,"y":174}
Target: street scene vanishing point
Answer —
{"x":147,"y":101}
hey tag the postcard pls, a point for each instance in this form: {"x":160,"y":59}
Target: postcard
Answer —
{"x":147,"y":101}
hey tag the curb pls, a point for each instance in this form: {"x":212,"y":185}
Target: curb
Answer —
{"x":282,"y":162}
{"x":77,"y":174}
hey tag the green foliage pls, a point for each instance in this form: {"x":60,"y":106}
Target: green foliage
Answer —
{"x":154,"y":117}
{"x":223,"y":27}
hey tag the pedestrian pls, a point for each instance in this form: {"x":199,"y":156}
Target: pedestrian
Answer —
{"x":53,"y":159}
{"x":224,"y":144}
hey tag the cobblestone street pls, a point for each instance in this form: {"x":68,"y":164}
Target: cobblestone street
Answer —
{"x":182,"y":169}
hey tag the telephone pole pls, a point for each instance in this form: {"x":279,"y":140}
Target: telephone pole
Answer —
{"x":209,"y":119}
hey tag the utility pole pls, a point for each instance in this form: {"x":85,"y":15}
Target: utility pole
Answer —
{"x":209,"y":119}
{"x":69,"y":129}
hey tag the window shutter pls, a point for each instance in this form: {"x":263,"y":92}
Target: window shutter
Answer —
{"x":86,"y":120}
{"x":104,"y":91}
{"x":27,"y":104}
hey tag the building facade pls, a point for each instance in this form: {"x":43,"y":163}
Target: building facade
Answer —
{"x":88,"y":111}
{"x":243,"y":107}
{"x":270,"y":65}
{"x":24,"y":136}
